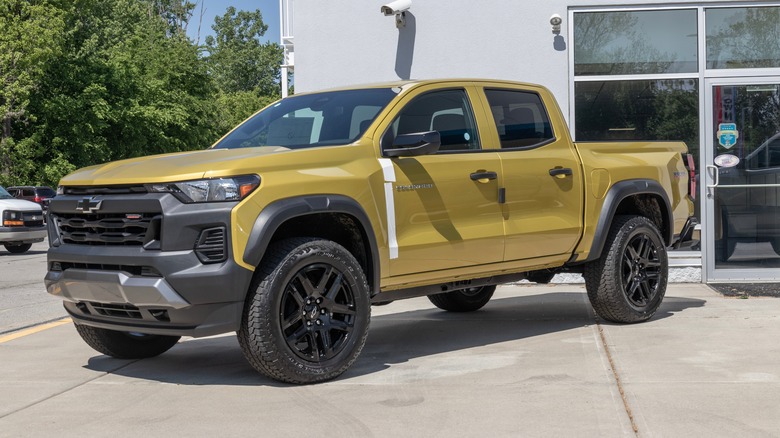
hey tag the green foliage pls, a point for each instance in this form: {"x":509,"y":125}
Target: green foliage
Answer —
{"x":238,"y":59}
{"x":103,"y":80}
{"x":28,"y":41}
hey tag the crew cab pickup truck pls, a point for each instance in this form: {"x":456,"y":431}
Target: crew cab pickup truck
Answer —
{"x":292,"y":225}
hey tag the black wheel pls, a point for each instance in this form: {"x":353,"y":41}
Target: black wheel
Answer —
{"x":125,"y":345}
{"x":18,"y":249}
{"x":307,"y":314}
{"x":628,"y":282}
{"x":463,"y":300}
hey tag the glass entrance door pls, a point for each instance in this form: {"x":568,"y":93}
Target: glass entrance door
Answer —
{"x":742,"y":179}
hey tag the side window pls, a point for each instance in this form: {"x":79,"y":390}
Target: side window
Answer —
{"x":766,"y":156}
{"x":445,"y":111}
{"x":521,"y":118}
{"x":30,"y":193}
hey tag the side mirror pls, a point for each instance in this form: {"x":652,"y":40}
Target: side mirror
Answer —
{"x":418,"y":143}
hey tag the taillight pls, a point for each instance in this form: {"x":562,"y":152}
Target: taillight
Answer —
{"x":690,"y":164}
{"x":38,"y":199}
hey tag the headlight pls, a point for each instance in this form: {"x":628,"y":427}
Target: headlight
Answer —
{"x":209,"y":190}
{"x":13,"y":219}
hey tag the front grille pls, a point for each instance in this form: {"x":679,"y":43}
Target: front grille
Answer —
{"x":116,"y":310}
{"x":108,"y":229}
{"x":108,"y":190}
{"x":122,"y":311}
{"x":32,"y":219}
{"x":143,"y":271}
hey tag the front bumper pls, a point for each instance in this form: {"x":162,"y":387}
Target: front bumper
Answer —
{"x":22,"y":234}
{"x":162,"y":286}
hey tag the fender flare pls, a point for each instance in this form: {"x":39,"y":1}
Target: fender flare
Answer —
{"x":277,"y":213}
{"x":616,"y":194}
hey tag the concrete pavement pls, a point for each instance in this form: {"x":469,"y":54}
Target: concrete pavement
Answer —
{"x":534,"y":362}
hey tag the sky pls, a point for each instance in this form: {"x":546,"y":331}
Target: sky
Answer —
{"x":213,"y":8}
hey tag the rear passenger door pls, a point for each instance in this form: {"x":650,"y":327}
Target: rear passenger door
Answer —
{"x":446,"y":204}
{"x":540,"y":172}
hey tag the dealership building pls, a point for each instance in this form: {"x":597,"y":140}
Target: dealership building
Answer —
{"x":706,"y":73}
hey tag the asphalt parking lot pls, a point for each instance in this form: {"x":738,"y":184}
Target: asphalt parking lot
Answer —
{"x":534,"y":362}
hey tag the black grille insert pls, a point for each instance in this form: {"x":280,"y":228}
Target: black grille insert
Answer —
{"x":117,"y":310}
{"x":108,"y":229}
{"x":109,"y":190}
{"x":143,"y":271}
{"x":211,"y":246}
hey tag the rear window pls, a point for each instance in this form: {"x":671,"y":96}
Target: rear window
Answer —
{"x":521,"y":118}
{"x":311,"y":120}
{"x":46,"y":192}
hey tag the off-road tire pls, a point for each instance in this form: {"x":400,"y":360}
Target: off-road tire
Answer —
{"x":307,"y":313}
{"x":18,"y":249}
{"x":125,"y":345}
{"x":628,"y":282}
{"x":463,"y":300}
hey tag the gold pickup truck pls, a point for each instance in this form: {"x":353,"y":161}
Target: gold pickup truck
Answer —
{"x":292,"y":225}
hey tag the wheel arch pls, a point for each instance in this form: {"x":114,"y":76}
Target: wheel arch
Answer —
{"x":332,"y":217}
{"x":640,"y":197}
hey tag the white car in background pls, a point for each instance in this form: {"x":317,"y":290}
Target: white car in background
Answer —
{"x":22,"y":223}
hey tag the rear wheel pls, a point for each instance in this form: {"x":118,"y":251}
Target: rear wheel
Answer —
{"x":125,"y":345}
{"x":463,"y":300}
{"x":628,"y":282}
{"x":306,"y":318}
{"x":18,"y":249}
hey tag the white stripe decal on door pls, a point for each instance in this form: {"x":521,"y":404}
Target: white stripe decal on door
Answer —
{"x":389,"y":174}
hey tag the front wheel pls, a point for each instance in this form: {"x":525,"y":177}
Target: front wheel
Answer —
{"x":463,"y":300}
{"x":628,"y":282}
{"x":125,"y":345}
{"x":307,"y":315}
{"x":18,"y":249}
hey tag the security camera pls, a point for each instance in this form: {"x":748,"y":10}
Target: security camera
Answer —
{"x":396,"y":7}
{"x":556,"y":21}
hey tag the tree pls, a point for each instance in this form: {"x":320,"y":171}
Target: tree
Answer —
{"x":125,"y":85}
{"x":29,"y":38}
{"x":238,"y":59}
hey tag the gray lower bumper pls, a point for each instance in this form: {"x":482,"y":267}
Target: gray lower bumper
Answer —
{"x":113,"y":287}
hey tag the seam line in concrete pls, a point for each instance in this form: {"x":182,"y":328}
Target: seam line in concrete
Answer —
{"x":615,"y":374}
{"x":49,"y":397}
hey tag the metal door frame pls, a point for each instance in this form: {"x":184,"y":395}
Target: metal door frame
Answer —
{"x":709,"y":180}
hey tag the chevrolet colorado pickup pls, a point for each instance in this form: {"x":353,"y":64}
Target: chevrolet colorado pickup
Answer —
{"x":292,"y":225}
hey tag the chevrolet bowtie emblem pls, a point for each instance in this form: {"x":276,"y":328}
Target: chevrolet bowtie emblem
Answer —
{"x":89,"y":205}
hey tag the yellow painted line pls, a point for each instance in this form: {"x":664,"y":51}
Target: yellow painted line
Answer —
{"x":33,"y":330}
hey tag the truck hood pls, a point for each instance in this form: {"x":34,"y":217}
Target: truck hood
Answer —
{"x":181,"y":166}
{"x":18,"y":205}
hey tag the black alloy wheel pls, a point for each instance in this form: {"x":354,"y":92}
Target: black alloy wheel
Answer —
{"x":307,"y":312}
{"x":317,"y":312}
{"x":628,"y":282}
{"x":641,"y":270}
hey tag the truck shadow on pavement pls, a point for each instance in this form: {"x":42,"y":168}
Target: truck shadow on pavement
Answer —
{"x":394,"y":339}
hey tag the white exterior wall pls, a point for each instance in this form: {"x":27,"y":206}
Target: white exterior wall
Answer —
{"x":343,"y":42}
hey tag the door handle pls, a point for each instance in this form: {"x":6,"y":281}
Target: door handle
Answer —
{"x":483,"y":176}
{"x":560,"y":172}
{"x":715,"y":177}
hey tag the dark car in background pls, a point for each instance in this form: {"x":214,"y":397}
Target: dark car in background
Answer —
{"x":38,"y":194}
{"x":749,"y":203}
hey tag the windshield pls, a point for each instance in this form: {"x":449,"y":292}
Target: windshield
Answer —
{"x":311,"y":120}
{"x":4,"y":194}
